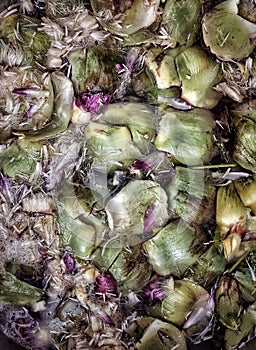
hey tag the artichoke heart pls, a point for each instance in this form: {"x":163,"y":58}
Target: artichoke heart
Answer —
{"x":187,"y":136}
{"x":228,"y":35}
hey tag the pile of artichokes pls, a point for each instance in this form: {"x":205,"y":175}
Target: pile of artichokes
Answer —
{"x":128,"y":174}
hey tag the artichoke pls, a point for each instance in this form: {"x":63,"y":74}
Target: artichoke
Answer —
{"x":226,"y":33}
{"x":174,"y":248}
{"x":125,"y":19}
{"x":193,"y":129}
{"x":181,"y":19}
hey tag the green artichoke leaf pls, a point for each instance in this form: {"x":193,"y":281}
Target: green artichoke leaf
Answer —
{"x":16,"y":292}
{"x":130,"y":267}
{"x":162,"y":64}
{"x":94,"y":69}
{"x":161,"y":335}
{"x":198,"y":74}
{"x":182,"y":300}
{"x":19,"y":160}
{"x":110,"y":145}
{"x":230,"y":210}
{"x":81,"y":229}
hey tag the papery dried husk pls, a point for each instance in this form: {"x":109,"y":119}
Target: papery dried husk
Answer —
{"x":27,"y":100}
{"x":32,"y":42}
{"x":247,"y":10}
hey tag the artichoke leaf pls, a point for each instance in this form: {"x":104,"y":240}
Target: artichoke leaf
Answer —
{"x":16,"y":292}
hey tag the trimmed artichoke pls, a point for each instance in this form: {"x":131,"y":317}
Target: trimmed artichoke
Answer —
{"x":125,"y":18}
{"x":27,"y":100}
{"x":227,"y":299}
{"x":228,"y":35}
{"x":159,"y":335}
{"x":181,"y":19}
{"x":186,"y":135}
{"x":244,"y":147}
{"x":174,"y":248}
{"x":191,"y":195}
{"x":139,"y":208}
